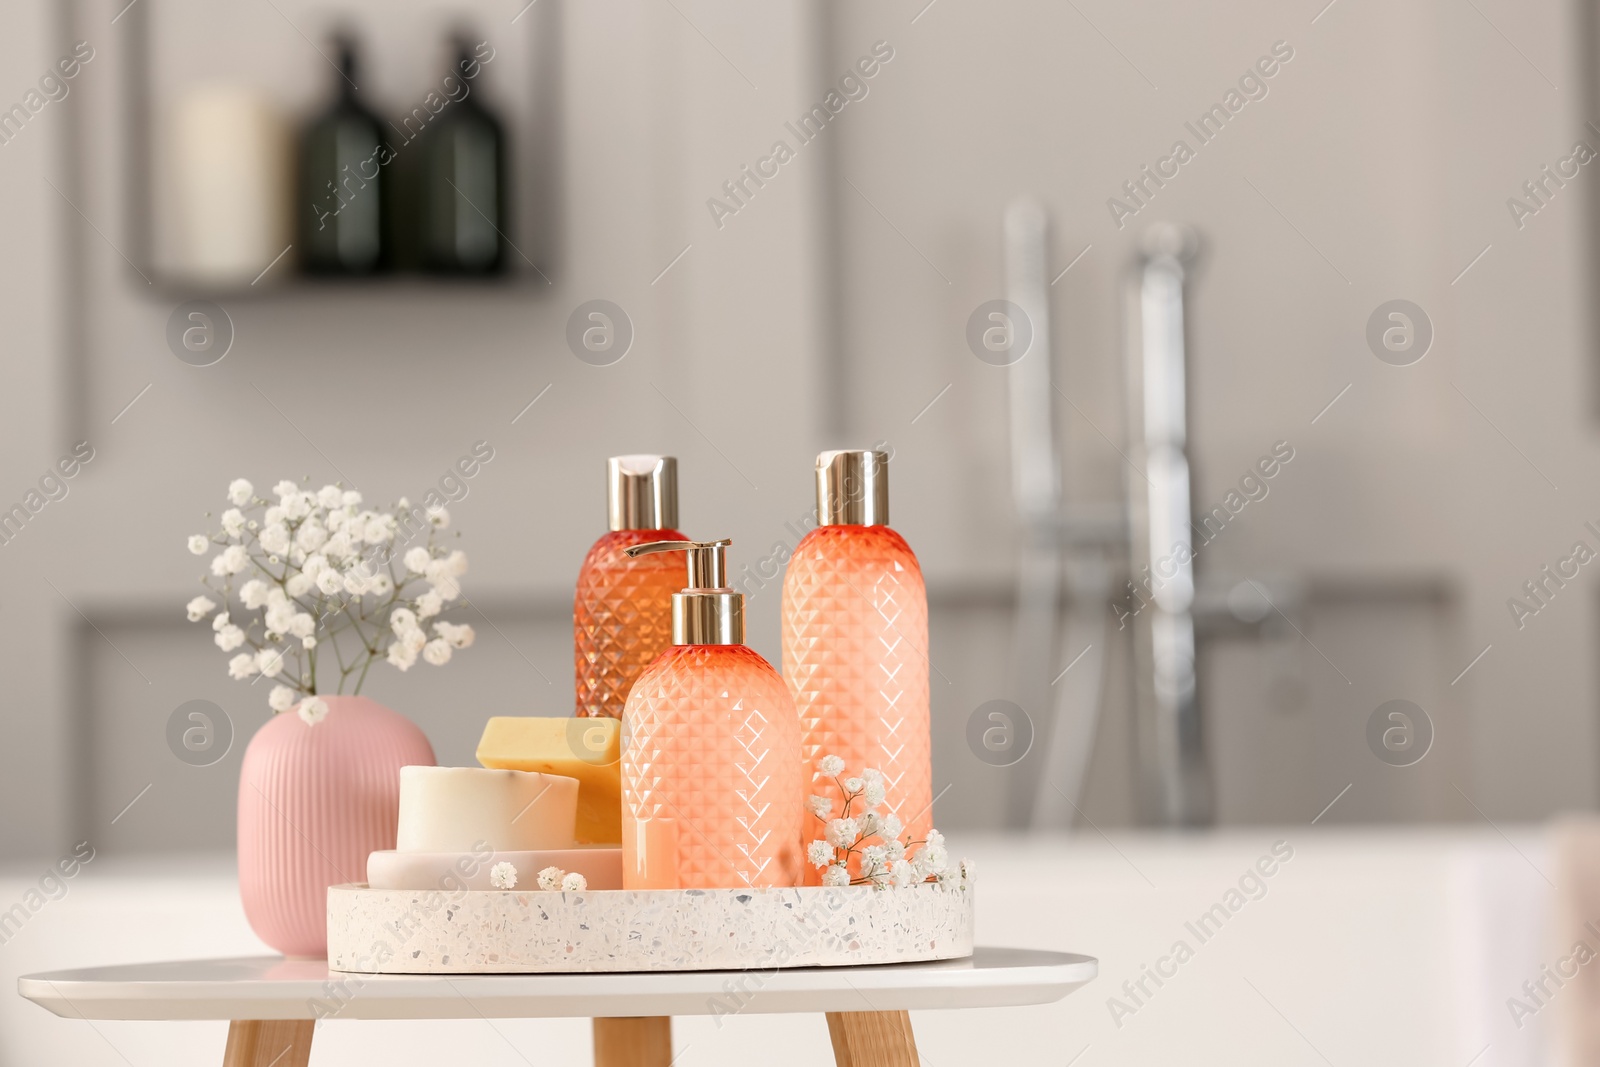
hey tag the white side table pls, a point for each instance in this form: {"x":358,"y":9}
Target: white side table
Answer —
{"x":273,"y":1003}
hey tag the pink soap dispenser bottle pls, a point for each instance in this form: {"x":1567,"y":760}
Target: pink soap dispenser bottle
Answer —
{"x":621,"y":612}
{"x":711,"y":776}
{"x":855,"y":640}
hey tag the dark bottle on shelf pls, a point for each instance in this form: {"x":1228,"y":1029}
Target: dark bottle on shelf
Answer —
{"x":342,"y":201}
{"x":460,"y":176}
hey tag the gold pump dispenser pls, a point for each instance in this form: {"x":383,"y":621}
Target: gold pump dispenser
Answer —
{"x":708,"y":611}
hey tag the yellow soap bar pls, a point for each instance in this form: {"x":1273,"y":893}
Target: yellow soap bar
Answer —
{"x":588,"y":749}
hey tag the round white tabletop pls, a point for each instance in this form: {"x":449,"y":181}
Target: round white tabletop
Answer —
{"x":275,"y":988}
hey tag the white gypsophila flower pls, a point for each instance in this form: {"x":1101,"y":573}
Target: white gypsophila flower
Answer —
{"x":836,"y":875}
{"x":819,"y":853}
{"x":873,"y":857}
{"x":934,"y":839}
{"x":281,"y":698}
{"x":254,"y":594}
{"x":300,"y":584}
{"x":341,"y":546}
{"x":446,"y":586}
{"x":429,"y":604}
{"x":199,"y":608}
{"x":285,"y":489}
{"x":235,"y":559}
{"x":379,"y":529}
{"x":330,"y":496}
{"x":413,"y":640}
{"x":314,"y":564}
{"x":439,"y":516}
{"x":221,"y":620}
{"x":869,"y":823}
{"x":240,"y":491}
{"x":308,"y":642}
{"x":357,"y":580}
{"x":402,"y":621}
{"x":417,"y":559}
{"x":875,"y":793}
{"x":400,"y":656}
{"x":233,"y":522}
{"x":832,"y":766}
{"x":437,"y":652}
{"x":310,"y":537}
{"x":329,"y":581}
{"x":895,"y":850}
{"x":872,"y":774}
{"x":241,"y":666}
{"x":842,"y":833}
{"x":891,"y":827}
{"x":821,"y":807}
{"x":902,"y":873}
{"x":272,"y":515}
{"x":198,"y":544}
{"x":503,"y":875}
{"x":298,"y":506}
{"x":381,"y":585}
{"x":550,"y":878}
{"x":574,"y":882}
{"x":455,"y":564}
{"x":854,"y":785}
{"x":934,"y":858}
{"x":275,"y":539}
{"x":269,"y":661}
{"x":279,"y":617}
{"x":459,"y":636}
{"x":352,"y":498}
{"x":313,"y":710}
{"x":229,"y":638}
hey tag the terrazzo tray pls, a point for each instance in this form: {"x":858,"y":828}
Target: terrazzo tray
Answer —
{"x":393,"y":931}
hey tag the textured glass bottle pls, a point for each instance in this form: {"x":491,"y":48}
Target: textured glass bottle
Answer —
{"x":622,"y":611}
{"x":711,"y":776}
{"x":344,"y":195}
{"x":461,"y":201}
{"x":855,"y":640}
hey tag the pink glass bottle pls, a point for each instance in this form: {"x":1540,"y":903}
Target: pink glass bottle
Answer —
{"x":855,"y":641}
{"x":622,"y":611}
{"x":711,"y":776}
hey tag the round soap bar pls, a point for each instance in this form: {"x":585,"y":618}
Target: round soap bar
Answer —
{"x":453,"y":871}
{"x":465,"y":809}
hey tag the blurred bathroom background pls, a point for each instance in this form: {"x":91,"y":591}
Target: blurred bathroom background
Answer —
{"x":1025,"y":152}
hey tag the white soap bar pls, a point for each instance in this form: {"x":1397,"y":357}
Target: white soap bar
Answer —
{"x":465,"y":809}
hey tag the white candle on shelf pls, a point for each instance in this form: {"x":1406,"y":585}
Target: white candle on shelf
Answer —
{"x":231,"y":165}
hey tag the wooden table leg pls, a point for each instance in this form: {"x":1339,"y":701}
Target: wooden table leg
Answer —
{"x":269,"y":1043}
{"x":872,"y":1039}
{"x":645,"y":1041}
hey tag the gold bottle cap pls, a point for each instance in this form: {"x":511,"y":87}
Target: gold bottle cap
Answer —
{"x":853,"y":488}
{"x":707,"y":612}
{"x":642,"y":492}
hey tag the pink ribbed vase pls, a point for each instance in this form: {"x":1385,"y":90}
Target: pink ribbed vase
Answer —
{"x":314,"y":800}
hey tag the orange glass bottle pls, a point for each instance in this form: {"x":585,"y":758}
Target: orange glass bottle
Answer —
{"x":711,"y":776}
{"x":622,"y":611}
{"x":855,"y":641}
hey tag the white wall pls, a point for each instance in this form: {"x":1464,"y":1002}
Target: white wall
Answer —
{"x":1383,"y":156}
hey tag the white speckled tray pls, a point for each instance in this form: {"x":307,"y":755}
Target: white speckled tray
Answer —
{"x":394,"y":931}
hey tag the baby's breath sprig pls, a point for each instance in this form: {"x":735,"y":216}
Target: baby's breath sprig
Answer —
{"x":860,"y":832}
